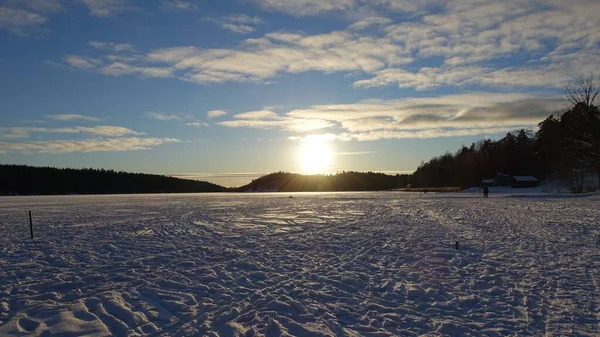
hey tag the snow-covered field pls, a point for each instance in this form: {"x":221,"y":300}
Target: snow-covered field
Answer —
{"x":345,"y":264}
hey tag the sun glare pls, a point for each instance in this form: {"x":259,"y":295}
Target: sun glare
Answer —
{"x":315,"y":155}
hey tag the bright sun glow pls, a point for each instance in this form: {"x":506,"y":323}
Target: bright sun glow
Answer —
{"x":315,"y":155}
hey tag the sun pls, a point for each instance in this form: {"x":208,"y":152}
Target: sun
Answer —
{"x":315,"y":155}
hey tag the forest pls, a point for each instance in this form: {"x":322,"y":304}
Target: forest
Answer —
{"x":28,"y":180}
{"x":343,"y":181}
{"x":566,"y":147}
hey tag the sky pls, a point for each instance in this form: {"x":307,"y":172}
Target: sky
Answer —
{"x":228,"y":90}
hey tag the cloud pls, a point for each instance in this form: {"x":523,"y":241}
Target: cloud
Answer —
{"x":18,"y":21}
{"x":430,"y":117}
{"x":38,"y":6}
{"x":260,"y":114}
{"x":351,"y":8}
{"x":305,"y":7}
{"x":460,"y":43}
{"x":238,"y":23}
{"x":72,"y":117}
{"x":179,"y":6}
{"x":86,"y":146}
{"x":197,"y":124}
{"x":120,"y":69}
{"x":215,"y":113}
{"x":168,"y":117}
{"x":105,"y":8}
{"x":370,"y":22}
{"x":107,"y":131}
{"x":243,"y":18}
{"x":423,"y":134}
{"x":116,"y":47}
{"x":266,"y":119}
{"x":258,"y":61}
{"x":79,"y":62}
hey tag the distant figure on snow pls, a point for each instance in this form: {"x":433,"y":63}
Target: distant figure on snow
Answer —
{"x":486,"y":191}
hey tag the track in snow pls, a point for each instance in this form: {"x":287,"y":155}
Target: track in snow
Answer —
{"x":346,"y":264}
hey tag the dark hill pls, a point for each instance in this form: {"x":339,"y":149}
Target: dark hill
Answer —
{"x":28,"y":180}
{"x":344,"y":181}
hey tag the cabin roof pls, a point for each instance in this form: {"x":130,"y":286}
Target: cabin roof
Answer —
{"x":525,"y":178}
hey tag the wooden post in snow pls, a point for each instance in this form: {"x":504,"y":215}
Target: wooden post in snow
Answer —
{"x":31,"y":225}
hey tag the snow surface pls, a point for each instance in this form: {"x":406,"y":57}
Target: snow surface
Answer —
{"x":331,"y":264}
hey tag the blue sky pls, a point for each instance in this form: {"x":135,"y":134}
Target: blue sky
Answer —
{"x":227,"y":90}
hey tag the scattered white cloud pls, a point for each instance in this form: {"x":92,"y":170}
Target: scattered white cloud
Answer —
{"x":88,"y":145}
{"x":243,"y":18}
{"x":19,"y":21}
{"x":197,"y":124}
{"x":349,"y":8}
{"x":116,"y":47}
{"x":306,"y":7}
{"x":72,"y":117}
{"x":38,"y":6}
{"x":260,"y":114}
{"x":105,"y":8}
{"x":443,"y":116}
{"x":266,"y":119}
{"x":369,"y":22}
{"x":215,"y":113}
{"x":120,"y":69}
{"x":237,"y":28}
{"x":107,"y":131}
{"x":79,"y":62}
{"x":423,"y":134}
{"x":168,"y":117}
{"x":179,"y":6}
{"x":464,"y":43}
{"x":238,"y":23}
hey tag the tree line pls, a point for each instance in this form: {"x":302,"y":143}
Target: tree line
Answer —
{"x":566,"y":147}
{"x":343,"y":181}
{"x":28,"y":180}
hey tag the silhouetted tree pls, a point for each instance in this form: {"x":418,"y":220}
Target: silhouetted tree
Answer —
{"x":26,"y":180}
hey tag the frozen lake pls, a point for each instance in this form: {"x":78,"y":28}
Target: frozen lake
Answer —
{"x":324,"y":264}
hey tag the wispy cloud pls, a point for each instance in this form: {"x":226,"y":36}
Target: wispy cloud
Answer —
{"x":105,"y":8}
{"x":72,"y":117}
{"x":197,"y":124}
{"x":116,"y":47}
{"x":79,"y":62}
{"x":179,"y":6}
{"x":168,"y":117}
{"x":259,"y":114}
{"x":238,"y":23}
{"x":465,"y":43}
{"x":19,"y":21}
{"x":215,"y":113}
{"x":443,"y":116}
{"x":38,"y":6}
{"x":88,"y":145}
{"x":306,"y":7}
{"x":108,"y":131}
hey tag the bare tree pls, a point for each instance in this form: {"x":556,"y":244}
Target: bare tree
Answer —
{"x":583,"y":90}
